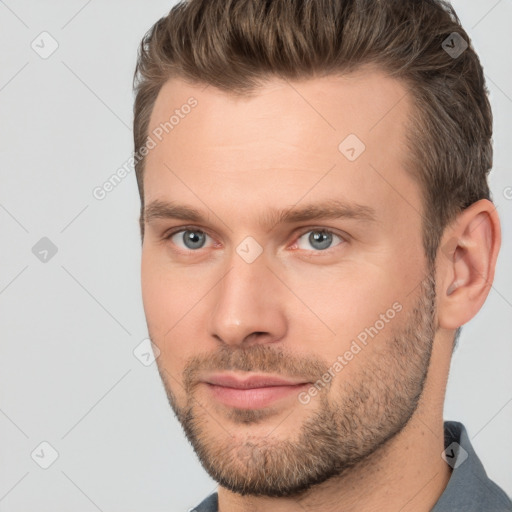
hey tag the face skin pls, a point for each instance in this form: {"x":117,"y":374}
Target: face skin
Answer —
{"x":301,"y":308}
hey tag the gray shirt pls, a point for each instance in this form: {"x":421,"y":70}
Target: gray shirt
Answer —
{"x":469,"y":488}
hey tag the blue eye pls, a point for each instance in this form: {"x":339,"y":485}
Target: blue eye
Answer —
{"x":190,"y":238}
{"x":319,"y":239}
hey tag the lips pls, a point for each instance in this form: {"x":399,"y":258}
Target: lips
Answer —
{"x":253,"y":391}
{"x":250,"y":382}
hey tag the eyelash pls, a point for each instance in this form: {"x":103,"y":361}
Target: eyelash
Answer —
{"x":344,"y":238}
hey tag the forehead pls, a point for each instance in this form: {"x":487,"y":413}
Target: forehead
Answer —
{"x":367,"y":102}
{"x":342,"y":133}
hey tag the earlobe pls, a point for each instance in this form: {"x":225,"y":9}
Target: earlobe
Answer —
{"x":466,"y":261}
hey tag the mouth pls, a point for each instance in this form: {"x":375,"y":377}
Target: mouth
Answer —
{"x":253,"y":392}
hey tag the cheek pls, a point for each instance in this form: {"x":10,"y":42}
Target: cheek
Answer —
{"x":171,"y":297}
{"x":348,"y":296}
{"x":355,"y":303}
{"x":163,"y":301}
{"x":157,"y":296}
{"x":167,"y":291}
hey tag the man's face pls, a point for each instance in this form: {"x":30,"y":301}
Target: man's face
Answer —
{"x":345,"y":301}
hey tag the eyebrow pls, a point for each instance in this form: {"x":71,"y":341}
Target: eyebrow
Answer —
{"x":330,"y":209}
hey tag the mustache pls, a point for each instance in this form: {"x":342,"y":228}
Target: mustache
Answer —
{"x":255,"y":358}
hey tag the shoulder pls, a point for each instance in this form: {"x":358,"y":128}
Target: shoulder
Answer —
{"x":469,"y":487}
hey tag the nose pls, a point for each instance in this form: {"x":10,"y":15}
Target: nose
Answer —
{"x":250,"y":305}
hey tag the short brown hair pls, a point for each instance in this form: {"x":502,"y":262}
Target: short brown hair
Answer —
{"x":236,"y":44}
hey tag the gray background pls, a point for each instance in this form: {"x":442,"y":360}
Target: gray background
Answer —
{"x":69,"y":325}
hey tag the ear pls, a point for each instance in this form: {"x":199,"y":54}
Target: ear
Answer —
{"x":466,"y":262}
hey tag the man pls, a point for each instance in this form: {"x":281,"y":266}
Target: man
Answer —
{"x":317,"y":227}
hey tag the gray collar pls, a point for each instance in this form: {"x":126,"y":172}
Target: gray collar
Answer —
{"x":469,"y":488}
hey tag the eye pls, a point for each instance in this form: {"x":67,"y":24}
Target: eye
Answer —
{"x":319,"y":239}
{"x":193,"y":239}
{"x":188,"y":239}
